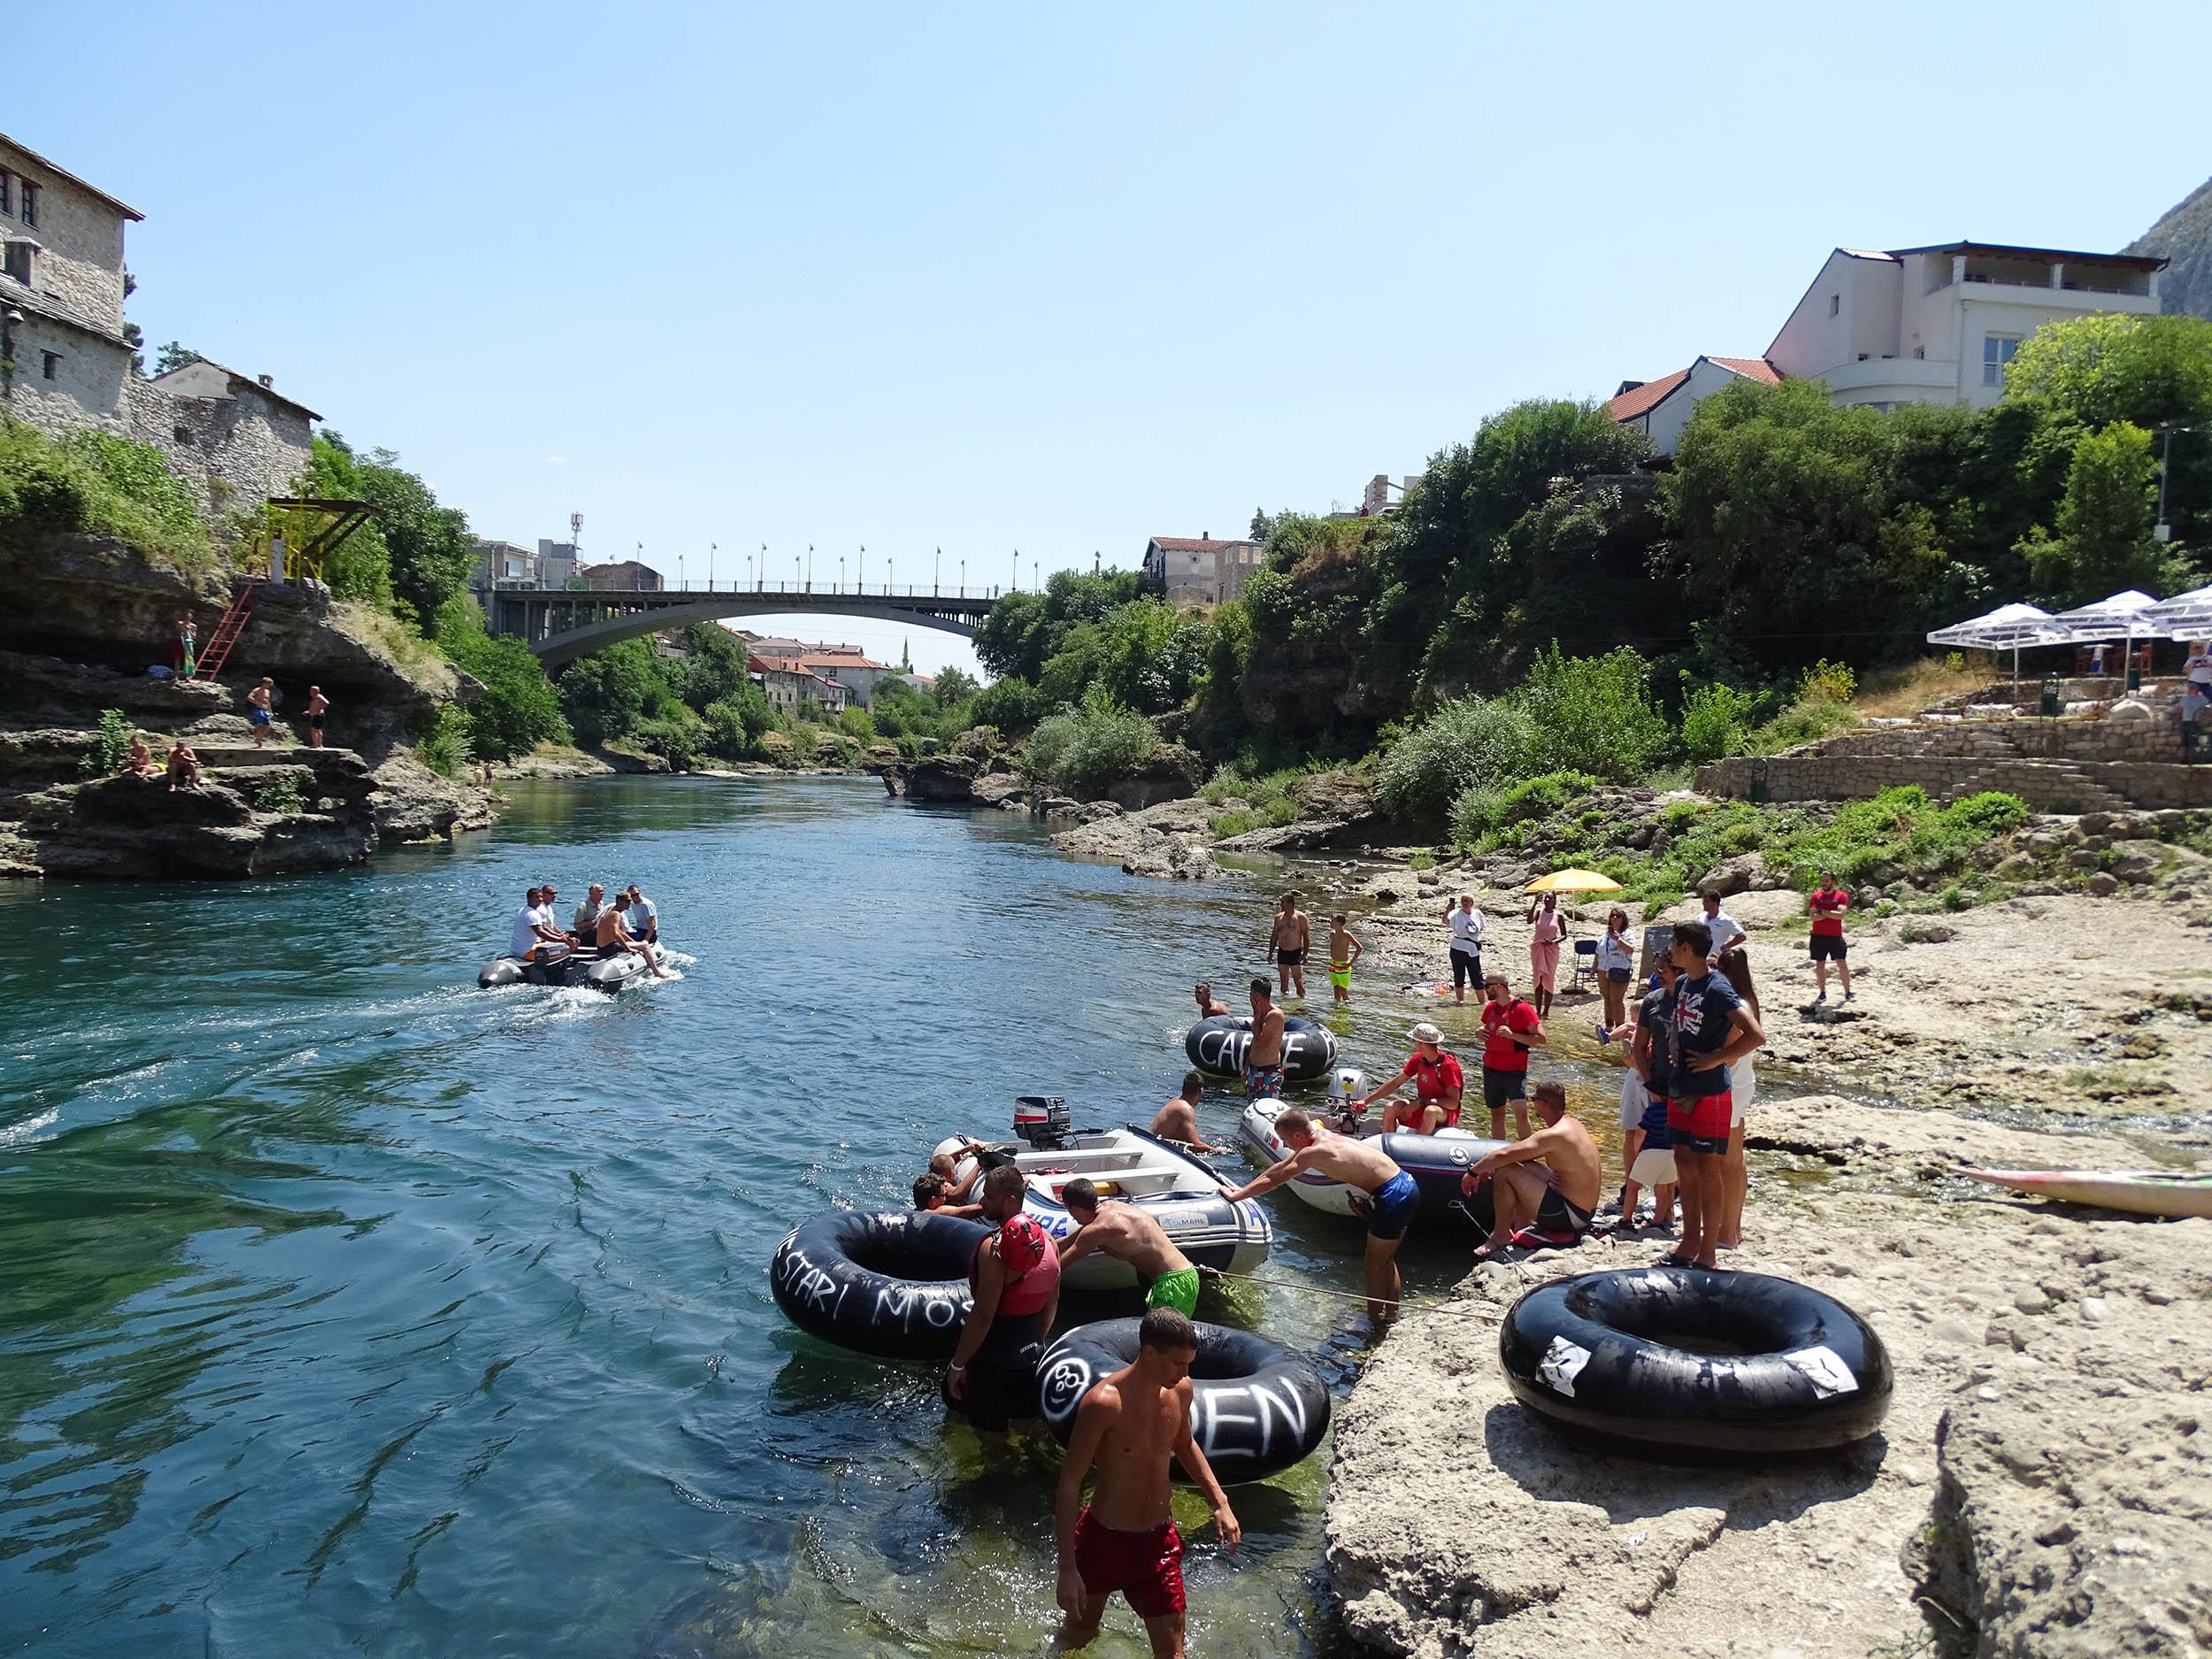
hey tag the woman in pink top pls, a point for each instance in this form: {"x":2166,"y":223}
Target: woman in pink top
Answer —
{"x":1543,"y":948}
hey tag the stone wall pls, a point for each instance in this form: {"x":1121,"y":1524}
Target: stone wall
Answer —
{"x":79,"y":238}
{"x":2063,"y":765}
{"x":237,"y":451}
{"x":87,"y":389}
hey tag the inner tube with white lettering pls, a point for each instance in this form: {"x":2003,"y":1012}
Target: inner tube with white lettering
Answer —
{"x":1256,"y":1408}
{"x":894,"y":1285}
{"x":1217,"y":1047}
{"x":1685,"y":1357}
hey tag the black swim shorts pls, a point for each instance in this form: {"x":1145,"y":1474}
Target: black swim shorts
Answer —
{"x":1828,"y":947}
{"x":1558,"y":1220}
{"x":1000,"y":1392}
{"x":1290,"y":958}
{"x":1500,"y":1086}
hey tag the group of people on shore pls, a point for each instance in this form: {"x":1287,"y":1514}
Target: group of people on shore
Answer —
{"x":182,"y":767}
{"x":627,"y":922}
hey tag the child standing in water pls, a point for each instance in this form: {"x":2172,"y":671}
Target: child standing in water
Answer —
{"x":1344,"y":950}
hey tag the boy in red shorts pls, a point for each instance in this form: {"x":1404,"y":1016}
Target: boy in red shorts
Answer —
{"x":1130,"y":1425}
{"x":1712,"y":1030}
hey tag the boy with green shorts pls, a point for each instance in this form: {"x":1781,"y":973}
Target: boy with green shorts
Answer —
{"x":1344,"y":950}
{"x":1126,"y":1233}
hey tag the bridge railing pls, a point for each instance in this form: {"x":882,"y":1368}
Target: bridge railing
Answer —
{"x":797,"y":590}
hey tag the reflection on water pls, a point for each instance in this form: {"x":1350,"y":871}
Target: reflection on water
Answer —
{"x":344,"y":1304}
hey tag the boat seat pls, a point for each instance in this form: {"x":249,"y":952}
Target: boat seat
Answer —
{"x":1144,"y":1178}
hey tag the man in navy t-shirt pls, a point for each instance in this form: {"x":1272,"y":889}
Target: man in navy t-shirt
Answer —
{"x":1712,"y":1030}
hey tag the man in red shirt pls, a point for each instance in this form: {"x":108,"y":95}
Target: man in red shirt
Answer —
{"x":1511,"y":1029}
{"x":1438,"y":1083}
{"x":1827,"y":903}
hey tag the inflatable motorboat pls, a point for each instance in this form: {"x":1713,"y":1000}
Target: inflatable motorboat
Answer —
{"x":1686,"y":1357}
{"x":2176,"y":1193}
{"x":1173,"y":1185}
{"x":1256,"y":1408}
{"x":1436,"y":1162}
{"x":1216,"y":1046}
{"x":584,"y":967}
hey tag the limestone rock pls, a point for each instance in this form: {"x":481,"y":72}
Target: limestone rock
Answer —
{"x":1171,"y":773}
{"x":1000,"y":789}
{"x":942,"y":778}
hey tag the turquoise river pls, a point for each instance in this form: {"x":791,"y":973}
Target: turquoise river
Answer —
{"x":345,"y":1306}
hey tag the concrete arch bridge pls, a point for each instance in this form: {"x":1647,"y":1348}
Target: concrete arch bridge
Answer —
{"x":561,"y":625}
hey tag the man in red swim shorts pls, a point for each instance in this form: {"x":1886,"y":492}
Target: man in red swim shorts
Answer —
{"x":1130,"y":1424}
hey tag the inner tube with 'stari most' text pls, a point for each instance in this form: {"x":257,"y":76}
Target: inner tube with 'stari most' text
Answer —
{"x":894,"y":1285}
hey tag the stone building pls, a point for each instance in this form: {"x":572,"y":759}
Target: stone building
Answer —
{"x":68,"y":362}
{"x":1198,"y":571}
{"x":624,"y":576}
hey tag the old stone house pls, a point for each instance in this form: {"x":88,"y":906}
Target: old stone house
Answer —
{"x":67,"y":363}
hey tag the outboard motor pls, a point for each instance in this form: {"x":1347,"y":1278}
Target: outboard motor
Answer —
{"x":1042,"y":1119}
{"x":1348,"y":1086}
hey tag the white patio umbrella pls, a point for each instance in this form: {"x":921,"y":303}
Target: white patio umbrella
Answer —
{"x":2121,"y":615}
{"x":2008,"y":627}
{"x":2184,"y":617}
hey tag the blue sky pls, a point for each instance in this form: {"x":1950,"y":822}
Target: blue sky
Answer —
{"x":1045,"y":278}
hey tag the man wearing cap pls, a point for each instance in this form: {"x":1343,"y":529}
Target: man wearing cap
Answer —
{"x":1511,"y":1028}
{"x":1438,"y":1083}
{"x":1015,"y":1279}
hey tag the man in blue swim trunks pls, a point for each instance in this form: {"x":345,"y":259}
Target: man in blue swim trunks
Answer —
{"x":1391,"y":1196}
{"x":261,"y":709}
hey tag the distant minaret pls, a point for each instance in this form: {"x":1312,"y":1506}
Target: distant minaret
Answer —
{"x":906,"y":660}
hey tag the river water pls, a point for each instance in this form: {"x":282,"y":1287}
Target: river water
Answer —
{"x":343,"y":1305}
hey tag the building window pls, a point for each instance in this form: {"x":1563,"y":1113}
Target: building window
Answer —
{"x":30,"y":202}
{"x":53,"y":364}
{"x":1835,"y":303}
{"x":1997,"y":350}
{"x":7,"y":191}
{"x":181,"y":434}
{"x":17,"y":261}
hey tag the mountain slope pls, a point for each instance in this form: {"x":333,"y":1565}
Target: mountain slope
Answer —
{"x":2185,"y":236}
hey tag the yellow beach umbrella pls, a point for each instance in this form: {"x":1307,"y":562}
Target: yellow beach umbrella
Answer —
{"x":1573,"y":881}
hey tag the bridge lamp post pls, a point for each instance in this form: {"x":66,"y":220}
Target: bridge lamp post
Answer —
{"x":794,"y":570}
{"x":936,"y":573}
{"x":840,"y":572}
{"x":860,"y":571}
{"x":680,"y":583}
{"x":711,"y":546}
{"x":964,"y":579}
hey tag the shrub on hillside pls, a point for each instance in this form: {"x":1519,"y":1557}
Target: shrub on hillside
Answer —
{"x":1080,"y":753}
{"x":94,"y":481}
{"x":111,"y":746}
{"x":1595,"y":713}
{"x":1716,"y":721}
{"x":678,"y":737}
{"x":1482,"y":811}
{"x":1467,"y":744}
{"x":1012,"y":704}
{"x":1807,"y":720}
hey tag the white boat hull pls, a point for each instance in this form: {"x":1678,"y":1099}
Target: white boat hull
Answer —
{"x":1173,"y":1186}
{"x":2137,"y":1192}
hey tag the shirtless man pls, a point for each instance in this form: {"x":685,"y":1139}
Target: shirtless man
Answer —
{"x":1126,"y":1233}
{"x":318,"y":706}
{"x":1392,"y":1197}
{"x":1264,"y":1055}
{"x":141,"y":763}
{"x":262,"y":702}
{"x":1208,"y":1004}
{"x":1288,"y":943}
{"x":613,"y":937}
{"x":1547,"y":1185}
{"x":1129,"y":1427}
{"x":1178,"y":1120}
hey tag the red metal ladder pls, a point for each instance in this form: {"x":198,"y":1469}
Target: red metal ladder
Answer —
{"x":225,"y":636}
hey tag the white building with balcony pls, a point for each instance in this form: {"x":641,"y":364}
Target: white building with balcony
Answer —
{"x":1938,"y":325}
{"x":1934,"y":325}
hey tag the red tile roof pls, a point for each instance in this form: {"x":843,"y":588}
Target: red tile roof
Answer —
{"x":1638,"y":399}
{"x":1751,"y":368}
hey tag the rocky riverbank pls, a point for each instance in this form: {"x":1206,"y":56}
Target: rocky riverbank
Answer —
{"x":2037,"y":1489}
{"x":90,"y":615}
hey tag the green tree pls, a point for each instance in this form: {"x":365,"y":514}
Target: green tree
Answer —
{"x":428,"y":545}
{"x":519,"y":708}
{"x":361,"y":566}
{"x":954,"y":687}
{"x":173,"y":355}
{"x":1593,"y":713}
{"x":608,"y":694}
{"x":2104,"y":541}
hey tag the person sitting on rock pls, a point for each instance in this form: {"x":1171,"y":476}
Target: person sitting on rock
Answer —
{"x":1547,"y":1184}
{"x":1178,"y":1120}
{"x":139,"y":764}
{"x":184,"y":767}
